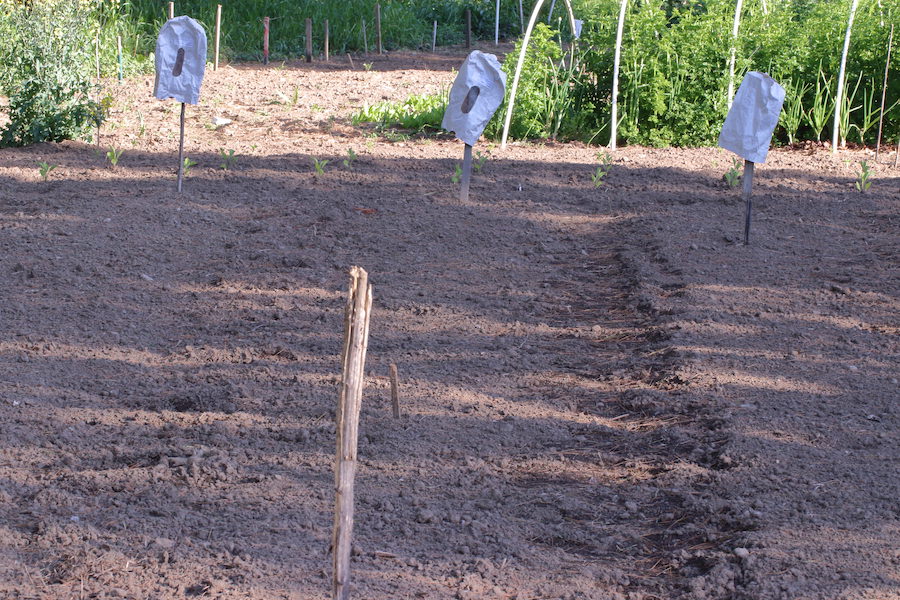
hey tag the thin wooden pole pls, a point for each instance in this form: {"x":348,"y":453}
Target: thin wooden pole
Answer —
{"x":218,"y":35}
{"x":119,"y":55}
{"x":521,"y":18}
{"x":308,"y":40}
{"x":468,"y":29}
{"x":365,"y":39}
{"x":97,"y":55}
{"x":434,"y":37}
{"x":356,"y":337}
{"x":171,"y":10}
{"x":839,"y":97}
{"x":614,"y":117}
{"x":181,"y":150}
{"x":887,"y":65}
{"x":395,"y":391}
{"x":747,"y":191}
{"x":378,"y":27}
{"x":466,"y":174}
{"x":265,"y":40}
{"x":497,"y":24}
{"x":327,"y":35}
{"x":350,"y":58}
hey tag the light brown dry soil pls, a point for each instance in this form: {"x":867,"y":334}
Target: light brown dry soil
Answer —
{"x":605,"y":394}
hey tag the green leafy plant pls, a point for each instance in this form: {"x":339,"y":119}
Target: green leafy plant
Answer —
{"x":602,"y":170}
{"x":228,"y":159}
{"x":319,"y":166}
{"x":479,"y":162}
{"x":457,"y":174}
{"x":350,"y":159}
{"x":44,"y":168}
{"x":113,"y":156}
{"x":416,"y":113}
{"x":367,"y":66}
{"x":187,"y":164}
{"x":822,"y":106}
{"x":733,"y":175}
{"x":864,"y":178}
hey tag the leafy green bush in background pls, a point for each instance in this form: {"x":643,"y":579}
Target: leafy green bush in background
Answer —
{"x":47,"y":73}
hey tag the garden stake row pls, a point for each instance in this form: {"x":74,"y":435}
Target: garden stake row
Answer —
{"x":353,"y":362}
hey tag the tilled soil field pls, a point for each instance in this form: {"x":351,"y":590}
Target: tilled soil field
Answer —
{"x":605,"y":394}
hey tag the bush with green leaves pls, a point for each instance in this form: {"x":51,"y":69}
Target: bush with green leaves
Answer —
{"x":47,"y":73}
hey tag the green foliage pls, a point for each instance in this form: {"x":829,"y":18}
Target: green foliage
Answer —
{"x":864,"y":179}
{"x":602,"y":170}
{"x":44,"y":168}
{"x":113,"y":156}
{"x":351,"y":158}
{"x":417,"y":112}
{"x":47,"y":73}
{"x":187,"y":164}
{"x":319,"y":166}
{"x":480,"y":160}
{"x":228,"y":159}
{"x":457,"y":173}
{"x":733,"y":175}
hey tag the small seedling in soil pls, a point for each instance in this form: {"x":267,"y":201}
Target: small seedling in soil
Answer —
{"x":45,"y":168}
{"x":602,"y":170}
{"x":228,"y":159}
{"x":113,"y":156}
{"x":733,"y":175}
{"x":319,"y":166}
{"x":457,"y":174}
{"x":367,"y":66}
{"x":479,"y":161}
{"x":864,"y":179}
{"x":188,"y":163}
{"x":351,"y":157}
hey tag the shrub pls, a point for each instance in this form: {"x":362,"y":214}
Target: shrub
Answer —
{"x":47,"y":73}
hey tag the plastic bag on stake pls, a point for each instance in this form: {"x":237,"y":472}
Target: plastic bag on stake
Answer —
{"x":180,"y":60}
{"x":475,"y":96}
{"x":753,"y":116}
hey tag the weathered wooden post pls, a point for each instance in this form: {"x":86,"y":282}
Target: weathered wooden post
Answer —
{"x":218,"y":35}
{"x":468,"y":28}
{"x":171,"y":10}
{"x":265,"y":40}
{"x":378,"y":27}
{"x":356,"y":337}
{"x":327,"y":35}
{"x":308,"y":40}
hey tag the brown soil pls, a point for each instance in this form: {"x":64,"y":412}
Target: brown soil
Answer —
{"x":606,"y":395}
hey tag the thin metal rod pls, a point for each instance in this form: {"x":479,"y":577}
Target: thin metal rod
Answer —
{"x":218,"y":35}
{"x":468,"y":29}
{"x":466,"y":174}
{"x":434,"y":37}
{"x":327,"y":35}
{"x":747,"y":192}
{"x":181,"y":150}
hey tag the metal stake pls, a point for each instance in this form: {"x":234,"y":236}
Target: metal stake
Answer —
{"x":747,"y":189}
{"x":466,"y":174}
{"x":181,"y":151}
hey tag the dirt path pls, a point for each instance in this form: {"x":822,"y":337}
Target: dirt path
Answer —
{"x":605,"y":394}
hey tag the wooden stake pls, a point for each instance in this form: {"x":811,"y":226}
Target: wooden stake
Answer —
{"x":378,"y":27}
{"x":218,"y":35}
{"x":365,"y":39}
{"x":308,"y":40}
{"x":119,"y":55}
{"x":466,"y":174}
{"x":434,"y":37}
{"x":356,"y":336}
{"x":521,"y":18}
{"x":350,"y":58}
{"x":171,"y":10}
{"x":887,"y":65}
{"x":468,"y":29}
{"x":326,"y":40}
{"x":181,"y":150}
{"x":747,"y":190}
{"x":265,"y":40}
{"x":395,"y":391}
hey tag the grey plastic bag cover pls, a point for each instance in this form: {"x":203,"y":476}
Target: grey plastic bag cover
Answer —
{"x":753,"y":116}
{"x":475,"y":96}
{"x":180,"y":60}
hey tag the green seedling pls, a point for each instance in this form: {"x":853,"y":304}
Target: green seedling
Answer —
{"x":367,"y":66}
{"x":733,"y":175}
{"x":351,"y":158}
{"x":228,"y":159}
{"x":188,"y":163}
{"x":457,"y":174}
{"x":479,"y":161}
{"x":113,"y":156}
{"x":319,"y":166}
{"x":602,"y":169}
{"x":45,"y":168}
{"x":864,"y":179}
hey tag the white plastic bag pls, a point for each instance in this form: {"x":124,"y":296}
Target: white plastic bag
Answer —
{"x":180,"y":60}
{"x":753,"y":116}
{"x":475,"y":96}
